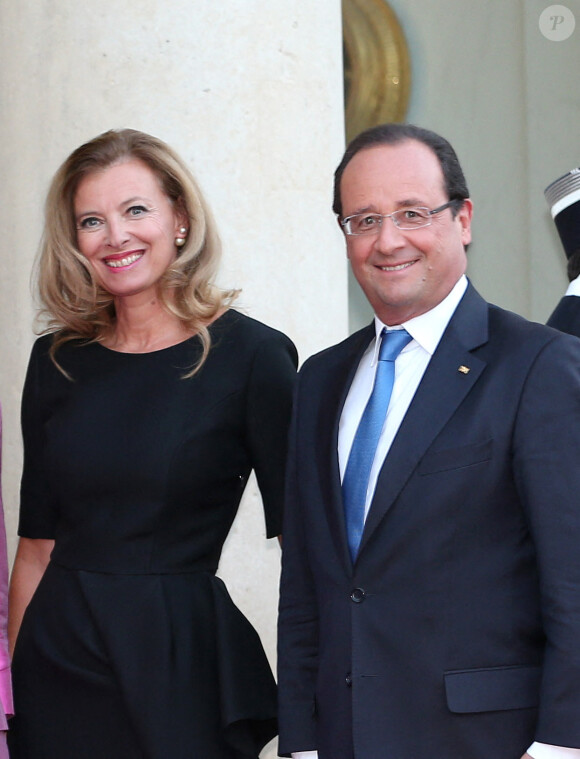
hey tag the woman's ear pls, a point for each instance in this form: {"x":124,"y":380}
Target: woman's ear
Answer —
{"x":181,"y":217}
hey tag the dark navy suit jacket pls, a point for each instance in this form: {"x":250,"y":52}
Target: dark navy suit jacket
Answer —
{"x":566,"y":316}
{"x":456,"y":634}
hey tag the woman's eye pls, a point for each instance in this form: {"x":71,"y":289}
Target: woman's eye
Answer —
{"x":136,"y":210}
{"x":91,"y":222}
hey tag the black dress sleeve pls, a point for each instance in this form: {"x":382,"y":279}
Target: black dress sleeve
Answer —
{"x":269,"y":408}
{"x":37,"y":510}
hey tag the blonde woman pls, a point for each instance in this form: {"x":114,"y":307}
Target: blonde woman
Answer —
{"x":144,"y":411}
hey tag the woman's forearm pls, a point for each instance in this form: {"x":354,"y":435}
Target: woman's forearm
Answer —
{"x":32,"y":557}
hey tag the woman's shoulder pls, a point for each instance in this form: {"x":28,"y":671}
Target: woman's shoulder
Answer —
{"x":247,"y":328}
{"x":253,"y":341}
{"x":65,"y":358}
{"x":247,"y":324}
{"x":40,"y":353}
{"x":44,"y":343}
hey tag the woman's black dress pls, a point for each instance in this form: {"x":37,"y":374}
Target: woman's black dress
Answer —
{"x":131,"y":647}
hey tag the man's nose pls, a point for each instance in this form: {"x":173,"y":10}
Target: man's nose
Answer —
{"x":390,"y":237}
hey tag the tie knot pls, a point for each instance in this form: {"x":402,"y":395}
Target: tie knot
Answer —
{"x":392,"y":343}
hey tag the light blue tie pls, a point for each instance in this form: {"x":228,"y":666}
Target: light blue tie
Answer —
{"x":362,"y":453}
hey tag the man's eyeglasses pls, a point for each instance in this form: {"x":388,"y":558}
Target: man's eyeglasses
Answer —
{"x":406,"y":218}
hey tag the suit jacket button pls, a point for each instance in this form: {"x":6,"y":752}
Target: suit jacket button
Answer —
{"x":358,"y":595}
{"x":348,"y":680}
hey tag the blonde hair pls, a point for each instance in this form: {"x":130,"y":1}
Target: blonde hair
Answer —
{"x":73,"y":302}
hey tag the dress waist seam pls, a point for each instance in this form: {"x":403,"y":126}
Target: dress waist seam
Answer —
{"x":134,"y":572}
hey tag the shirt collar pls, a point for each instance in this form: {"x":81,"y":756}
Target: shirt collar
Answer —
{"x":574,"y":287}
{"x":428,"y":328}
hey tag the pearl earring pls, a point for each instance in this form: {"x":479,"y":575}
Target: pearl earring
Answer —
{"x":180,"y":241}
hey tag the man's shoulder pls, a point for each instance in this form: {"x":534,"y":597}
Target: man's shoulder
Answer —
{"x":523,"y":337}
{"x":514,"y":324}
{"x":566,"y":315}
{"x":499,"y":320}
{"x":345,"y":350}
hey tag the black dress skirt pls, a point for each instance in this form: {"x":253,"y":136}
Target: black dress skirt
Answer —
{"x":131,"y":646}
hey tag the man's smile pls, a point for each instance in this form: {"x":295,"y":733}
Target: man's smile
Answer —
{"x":397,"y":267}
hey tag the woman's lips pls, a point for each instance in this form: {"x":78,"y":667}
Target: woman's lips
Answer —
{"x":122,"y":260}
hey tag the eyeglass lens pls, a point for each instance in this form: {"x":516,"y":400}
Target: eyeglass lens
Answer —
{"x":406,"y":218}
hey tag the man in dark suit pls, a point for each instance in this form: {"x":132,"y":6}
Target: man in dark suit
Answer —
{"x":433,"y":611}
{"x":563,"y":196}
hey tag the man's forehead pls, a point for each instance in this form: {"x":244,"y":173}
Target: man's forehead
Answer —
{"x":405,"y":168}
{"x":405,"y":152}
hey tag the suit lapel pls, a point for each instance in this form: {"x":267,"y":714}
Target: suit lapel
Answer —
{"x":336,"y":389}
{"x":443,"y":388}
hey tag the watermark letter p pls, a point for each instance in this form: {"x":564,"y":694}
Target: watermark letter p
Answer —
{"x":557,"y":23}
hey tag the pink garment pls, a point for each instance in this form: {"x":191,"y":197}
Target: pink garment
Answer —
{"x":5,"y":679}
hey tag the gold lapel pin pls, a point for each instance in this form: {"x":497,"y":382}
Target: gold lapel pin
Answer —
{"x":463,"y":369}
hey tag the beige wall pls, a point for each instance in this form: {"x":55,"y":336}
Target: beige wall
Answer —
{"x":250,"y":92}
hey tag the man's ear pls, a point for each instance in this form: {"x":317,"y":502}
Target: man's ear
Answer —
{"x":343,"y":234}
{"x":464,"y":215}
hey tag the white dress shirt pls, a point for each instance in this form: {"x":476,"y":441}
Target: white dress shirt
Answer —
{"x":574,"y":287}
{"x":426,"y":331}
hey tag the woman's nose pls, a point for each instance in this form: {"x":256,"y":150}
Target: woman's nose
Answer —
{"x":117,"y":233}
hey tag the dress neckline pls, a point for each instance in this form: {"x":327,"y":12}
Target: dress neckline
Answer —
{"x":158,"y":351}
